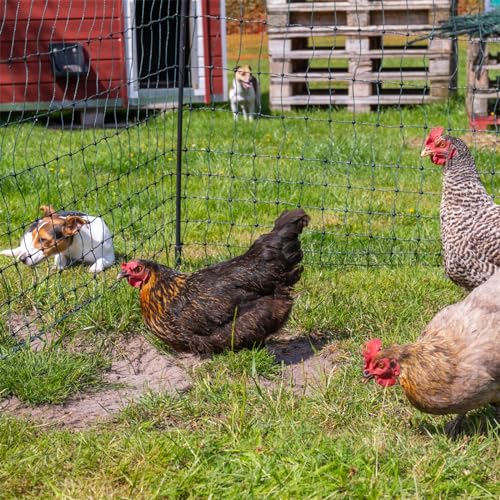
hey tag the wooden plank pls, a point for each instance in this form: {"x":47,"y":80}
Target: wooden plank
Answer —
{"x":57,"y":9}
{"x":494,"y":67}
{"x":374,"y":54}
{"x":322,"y":100}
{"x":359,"y":87}
{"x":34,"y":72}
{"x":486,"y":93}
{"x":73,"y":30}
{"x":330,"y":31}
{"x":107,"y":49}
{"x":309,"y":7}
{"x":50,"y":92}
{"x":333,"y":75}
{"x":367,"y":21}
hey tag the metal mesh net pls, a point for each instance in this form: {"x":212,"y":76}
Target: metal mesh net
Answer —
{"x":89,"y":98}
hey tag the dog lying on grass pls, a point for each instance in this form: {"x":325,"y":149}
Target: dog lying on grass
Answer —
{"x":69,"y":237}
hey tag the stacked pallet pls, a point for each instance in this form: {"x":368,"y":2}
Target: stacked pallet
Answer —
{"x":356,"y":53}
{"x":483,"y":83}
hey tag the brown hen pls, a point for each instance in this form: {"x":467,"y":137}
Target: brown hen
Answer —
{"x":454,"y":366}
{"x":230,"y":305}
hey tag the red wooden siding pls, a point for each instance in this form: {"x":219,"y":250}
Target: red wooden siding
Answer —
{"x":214,"y":70}
{"x":28,"y":27}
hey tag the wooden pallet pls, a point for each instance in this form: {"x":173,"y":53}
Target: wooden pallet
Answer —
{"x":354,"y":53}
{"x":483,"y":83}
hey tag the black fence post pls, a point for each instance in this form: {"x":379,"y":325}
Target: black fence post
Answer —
{"x":183,"y":19}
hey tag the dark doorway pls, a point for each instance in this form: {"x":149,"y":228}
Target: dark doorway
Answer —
{"x":157,"y":43}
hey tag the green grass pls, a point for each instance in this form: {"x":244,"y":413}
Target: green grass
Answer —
{"x":49,"y":376}
{"x":240,"y":430}
{"x":372,"y":268}
{"x":250,"y":363}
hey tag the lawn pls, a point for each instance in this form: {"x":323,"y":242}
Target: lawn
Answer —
{"x":372,"y":268}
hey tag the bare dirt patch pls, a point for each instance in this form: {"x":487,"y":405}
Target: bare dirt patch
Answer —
{"x":137,"y":367}
{"x":308,"y":361}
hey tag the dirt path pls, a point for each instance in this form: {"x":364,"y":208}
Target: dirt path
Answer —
{"x":138,"y":367}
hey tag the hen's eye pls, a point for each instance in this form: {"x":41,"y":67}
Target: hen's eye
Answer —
{"x":381,"y":364}
{"x":138,"y":269}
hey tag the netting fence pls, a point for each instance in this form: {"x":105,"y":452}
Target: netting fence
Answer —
{"x":90,"y":122}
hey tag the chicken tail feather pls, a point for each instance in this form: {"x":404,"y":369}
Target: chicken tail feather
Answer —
{"x":286,"y":231}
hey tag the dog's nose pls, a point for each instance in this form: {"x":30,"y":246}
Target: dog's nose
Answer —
{"x":23,"y":258}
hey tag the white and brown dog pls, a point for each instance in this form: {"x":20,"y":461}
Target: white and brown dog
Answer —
{"x":245,"y":94}
{"x":69,"y":237}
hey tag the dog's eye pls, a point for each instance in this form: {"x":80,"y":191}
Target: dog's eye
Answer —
{"x":41,"y":240}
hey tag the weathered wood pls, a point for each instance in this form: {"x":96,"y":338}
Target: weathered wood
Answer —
{"x":345,"y":100}
{"x":276,"y":52}
{"x":329,"y":31}
{"x":362,"y":70}
{"x":359,"y":5}
{"x":310,"y":72}
{"x":480,"y":88}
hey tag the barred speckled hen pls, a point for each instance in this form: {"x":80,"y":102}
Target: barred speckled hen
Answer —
{"x":230,"y":305}
{"x":470,"y":220}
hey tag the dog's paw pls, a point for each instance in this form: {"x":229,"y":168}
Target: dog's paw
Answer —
{"x":96,"y":268}
{"x":61,"y":262}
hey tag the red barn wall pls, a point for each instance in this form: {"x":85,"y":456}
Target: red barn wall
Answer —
{"x":25,"y":68}
{"x":27,"y":27}
{"x":214,"y":72}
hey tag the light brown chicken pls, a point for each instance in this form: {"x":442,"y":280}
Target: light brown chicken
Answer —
{"x":454,"y":366}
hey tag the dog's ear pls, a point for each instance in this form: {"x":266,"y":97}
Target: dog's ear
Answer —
{"x":249,"y":68}
{"x":47,"y":210}
{"x":73,"y":224}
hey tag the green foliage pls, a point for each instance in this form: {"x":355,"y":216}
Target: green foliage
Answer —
{"x":250,"y":362}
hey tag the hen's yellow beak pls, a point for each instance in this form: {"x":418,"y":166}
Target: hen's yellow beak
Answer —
{"x":425,"y":152}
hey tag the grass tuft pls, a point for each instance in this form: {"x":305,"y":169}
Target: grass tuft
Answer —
{"x":257,"y":362}
{"x":49,"y":376}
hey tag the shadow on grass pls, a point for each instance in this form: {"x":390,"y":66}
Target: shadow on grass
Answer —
{"x":292,"y":351}
{"x":478,"y":423}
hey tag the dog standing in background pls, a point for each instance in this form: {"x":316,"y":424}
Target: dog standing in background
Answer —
{"x":245,"y":93}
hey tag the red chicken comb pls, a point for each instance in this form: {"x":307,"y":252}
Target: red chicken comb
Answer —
{"x":129,"y":266}
{"x":434,"y":134}
{"x":371,"y":348}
